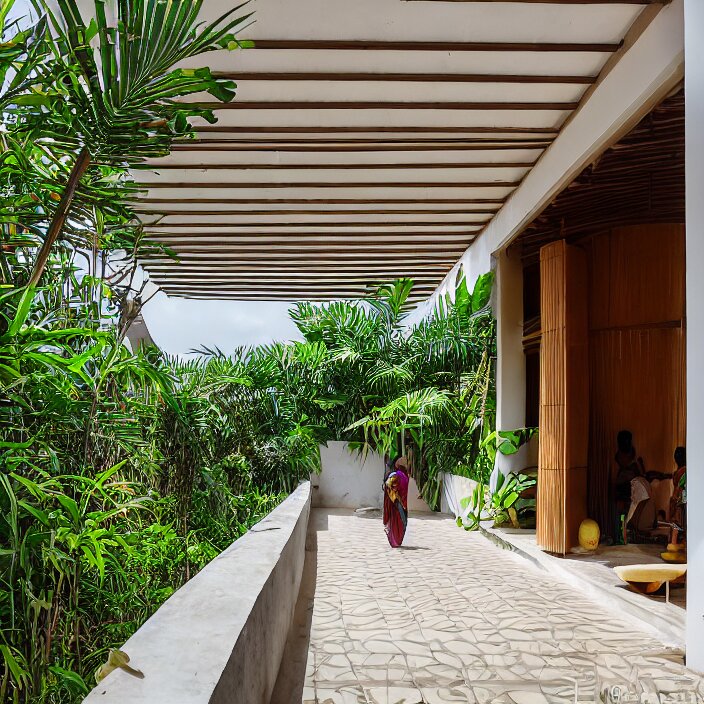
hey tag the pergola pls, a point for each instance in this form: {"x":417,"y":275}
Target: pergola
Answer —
{"x":371,"y":140}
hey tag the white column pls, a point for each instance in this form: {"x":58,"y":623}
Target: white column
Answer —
{"x":511,"y":363}
{"x":694,"y":91}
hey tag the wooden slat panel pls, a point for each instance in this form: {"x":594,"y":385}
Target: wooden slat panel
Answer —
{"x":637,"y":353}
{"x":564,"y":397}
{"x":647,"y":277}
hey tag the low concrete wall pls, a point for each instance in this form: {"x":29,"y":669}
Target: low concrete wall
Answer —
{"x":454,"y":489}
{"x":219,"y":639}
{"x":348,"y":481}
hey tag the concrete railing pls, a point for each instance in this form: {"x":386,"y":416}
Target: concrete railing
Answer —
{"x":220,"y":638}
{"x":454,"y":489}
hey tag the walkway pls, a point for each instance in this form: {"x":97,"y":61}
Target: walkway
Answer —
{"x":453,"y":618}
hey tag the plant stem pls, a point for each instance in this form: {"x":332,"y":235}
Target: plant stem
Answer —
{"x":59,"y":219}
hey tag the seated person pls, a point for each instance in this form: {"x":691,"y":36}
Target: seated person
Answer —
{"x":642,"y":513}
{"x":628,"y":466}
{"x":634,"y":493}
{"x":678,"y":504}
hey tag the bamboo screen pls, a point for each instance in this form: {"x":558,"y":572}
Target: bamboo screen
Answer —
{"x":564,"y":396}
{"x":637,"y":354}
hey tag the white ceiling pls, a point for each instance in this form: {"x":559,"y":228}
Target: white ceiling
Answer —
{"x":289,"y":197}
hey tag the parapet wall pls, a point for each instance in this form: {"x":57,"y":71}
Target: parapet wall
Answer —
{"x":349,"y":480}
{"x":220,"y":638}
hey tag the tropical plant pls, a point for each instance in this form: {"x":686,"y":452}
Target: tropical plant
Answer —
{"x":104,"y":451}
{"x":124,"y":472}
{"x":501,"y":500}
{"x":507,"y":442}
{"x":109,"y":98}
{"x":22,"y":55}
{"x":502,"y":505}
{"x":456,"y":348}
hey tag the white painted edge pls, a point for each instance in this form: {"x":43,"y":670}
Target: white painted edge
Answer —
{"x":694,"y":166}
{"x":646,"y":73}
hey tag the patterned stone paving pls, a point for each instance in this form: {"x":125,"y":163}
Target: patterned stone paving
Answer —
{"x":453,"y":618}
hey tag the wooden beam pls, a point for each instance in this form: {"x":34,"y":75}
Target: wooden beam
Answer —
{"x":380,"y":105}
{"x":284,"y":296}
{"x":372,"y":45}
{"x":240,"y":146}
{"x":390,"y":269}
{"x":339,"y":254}
{"x":331,"y":184}
{"x":215,"y":261}
{"x":329,"y":291}
{"x":399,"y":242}
{"x":354,"y":141}
{"x":291,"y":286}
{"x":384,"y":129}
{"x":325,"y":201}
{"x":302,"y":274}
{"x":388,"y":211}
{"x":190,"y":166}
{"x":308,"y":278}
{"x":295,"y":247}
{"x":290,"y":297}
{"x":272,"y":225}
{"x":402,"y":77}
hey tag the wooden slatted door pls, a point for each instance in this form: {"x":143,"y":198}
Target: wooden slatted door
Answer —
{"x":564,"y":397}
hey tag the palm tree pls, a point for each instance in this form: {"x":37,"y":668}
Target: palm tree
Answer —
{"x":114,"y":88}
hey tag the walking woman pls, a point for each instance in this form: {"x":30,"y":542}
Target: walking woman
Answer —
{"x":396,"y":501}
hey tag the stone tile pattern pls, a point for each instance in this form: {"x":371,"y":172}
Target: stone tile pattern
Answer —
{"x":453,"y":618}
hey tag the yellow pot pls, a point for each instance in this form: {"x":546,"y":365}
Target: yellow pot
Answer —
{"x":589,"y":534}
{"x":674,"y":557}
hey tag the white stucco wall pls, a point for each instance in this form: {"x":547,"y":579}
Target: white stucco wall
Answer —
{"x":694,"y":90}
{"x":349,"y":481}
{"x":511,"y":362}
{"x":454,"y":489}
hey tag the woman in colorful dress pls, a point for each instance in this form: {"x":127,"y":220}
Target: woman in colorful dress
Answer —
{"x":396,"y":502}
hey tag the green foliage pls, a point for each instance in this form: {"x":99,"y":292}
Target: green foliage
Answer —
{"x":86,"y":99}
{"x":389,"y":386}
{"x":508,"y":442}
{"x":459,"y":344}
{"x":119,"y":85}
{"x":502,"y":505}
{"x":122,"y":473}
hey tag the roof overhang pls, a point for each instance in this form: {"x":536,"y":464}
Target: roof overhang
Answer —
{"x":380,"y":138}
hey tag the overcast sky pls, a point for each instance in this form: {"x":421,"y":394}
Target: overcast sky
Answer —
{"x":178,"y":325}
